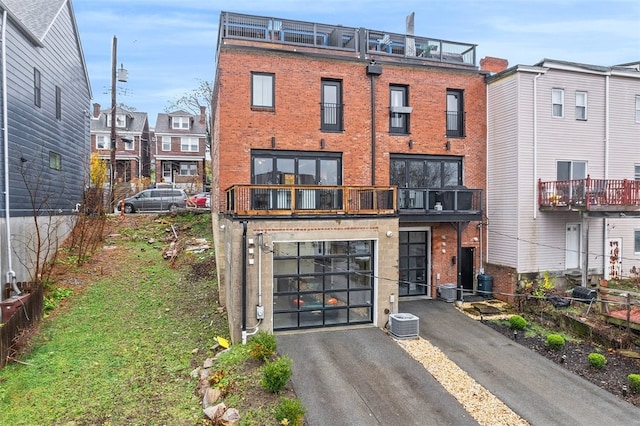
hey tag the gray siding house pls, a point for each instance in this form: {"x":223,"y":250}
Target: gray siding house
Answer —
{"x":563,"y":181}
{"x":45,"y":97}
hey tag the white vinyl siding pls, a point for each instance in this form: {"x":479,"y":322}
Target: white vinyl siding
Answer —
{"x":637,"y":108}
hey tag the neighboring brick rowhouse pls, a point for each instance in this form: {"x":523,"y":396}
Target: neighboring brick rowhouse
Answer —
{"x":494,"y":65}
{"x":504,"y":282}
{"x":294,"y":123}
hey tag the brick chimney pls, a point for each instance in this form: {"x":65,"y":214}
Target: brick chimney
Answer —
{"x":96,"y":110}
{"x":203,"y":114}
{"x":489,"y":63}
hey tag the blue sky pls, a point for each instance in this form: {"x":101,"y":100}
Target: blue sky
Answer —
{"x":169,"y":46}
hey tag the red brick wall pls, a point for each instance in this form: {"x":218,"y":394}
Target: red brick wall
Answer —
{"x":295,"y":122}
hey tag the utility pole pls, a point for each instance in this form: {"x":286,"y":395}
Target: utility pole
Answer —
{"x":112,"y":177}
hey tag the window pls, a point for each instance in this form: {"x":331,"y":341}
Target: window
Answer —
{"x":571,"y":170}
{"x":55,"y":161}
{"x":58,"y":103}
{"x":188,"y":169}
{"x":455,"y":114}
{"x":557,"y":102}
{"x":188,"y":144}
{"x":568,"y":172}
{"x":399,"y":110}
{"x":166,"y":143}
{"x":262,"y":90}
{"x":636,"y":241}
{"x":128,"y":144}
{"x":636,"y":171}
{"x":180,"y":123}
{"x":37,"y":88}
{"x":331,"y":106}
{"x":637,"y":108}
{"x":581,"y":105}
{"x":102,"y":142}
{"x":121,"y":120}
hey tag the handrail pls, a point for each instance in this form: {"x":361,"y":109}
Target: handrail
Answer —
{"x":589,"y":193}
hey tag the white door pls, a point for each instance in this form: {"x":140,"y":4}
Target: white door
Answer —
{"x":166,"y":172}
{"x":573,"y":246}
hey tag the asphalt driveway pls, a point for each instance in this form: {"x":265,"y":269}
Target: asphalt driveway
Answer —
{"x":363,"y":377}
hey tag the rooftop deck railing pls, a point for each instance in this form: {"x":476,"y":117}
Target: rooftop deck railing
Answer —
{"x":249,"y":200}
{"x":300,"y":33}
{"x":590,"y":194}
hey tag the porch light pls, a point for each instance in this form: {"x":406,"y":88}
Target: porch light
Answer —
{"x":410,"y":143}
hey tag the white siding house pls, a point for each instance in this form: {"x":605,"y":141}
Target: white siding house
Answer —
{"x":562,"y":138}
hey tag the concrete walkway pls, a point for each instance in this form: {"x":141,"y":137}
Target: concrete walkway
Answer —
{"x":539,"y":390}
{"x":363,"y":377}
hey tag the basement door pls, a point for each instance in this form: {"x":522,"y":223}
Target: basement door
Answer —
{"x":414,"y":262}
{"x":573,"y":246}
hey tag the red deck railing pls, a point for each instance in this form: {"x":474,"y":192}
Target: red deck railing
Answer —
{"x":589,"y":193}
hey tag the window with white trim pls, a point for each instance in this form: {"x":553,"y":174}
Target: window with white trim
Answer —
{"x":581,"y":105}
{"x":180,"y":123}
{"x":636,"y":241}
{"x":636,"y":171}
{"x":121,"y":120}
{"x":102,"y":142}
{"x":166,"y":143}
{"x":189,"y":144}
{"x":557,"y":103}
{"x":262,"y":90}
{"x":188,"y":169}
{"x":128,"y":144}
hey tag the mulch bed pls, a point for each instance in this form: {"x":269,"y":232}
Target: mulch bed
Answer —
{"x":612,"y":377}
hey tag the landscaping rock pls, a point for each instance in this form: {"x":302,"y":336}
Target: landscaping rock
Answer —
{"x":230,"y":417}
{"x":208,"y":363}
{"x":211,"y":395}
{"x":215,"y":412}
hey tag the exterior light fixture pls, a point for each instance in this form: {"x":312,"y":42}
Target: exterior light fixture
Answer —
{"x":447,"y":145}
{"x":410,"y":143}
{"x":322,"y":143}
{"x":273,"y":141}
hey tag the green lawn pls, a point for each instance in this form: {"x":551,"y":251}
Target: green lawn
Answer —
{"x":120,"y":350}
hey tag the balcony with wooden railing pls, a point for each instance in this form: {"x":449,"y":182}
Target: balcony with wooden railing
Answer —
{"x":593,"y":195}
{"x":308,"y":200}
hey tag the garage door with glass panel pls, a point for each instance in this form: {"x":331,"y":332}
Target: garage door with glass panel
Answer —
{"x":322,"y":284}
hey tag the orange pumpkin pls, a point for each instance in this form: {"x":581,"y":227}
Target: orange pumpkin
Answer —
{"x":298,"y":302}
{"x":332,"y":301}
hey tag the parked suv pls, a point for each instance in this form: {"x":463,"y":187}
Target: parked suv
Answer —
{"x":155,"y":200}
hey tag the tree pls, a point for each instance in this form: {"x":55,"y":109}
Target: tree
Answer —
{"x":193,"y":100}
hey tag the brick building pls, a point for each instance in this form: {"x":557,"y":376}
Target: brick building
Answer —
{"x":349,"y":169}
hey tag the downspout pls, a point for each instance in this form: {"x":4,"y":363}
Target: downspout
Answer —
{"x":373,"y":129}
{"x":605,"y":225}
{"x":11,"y":275}
{"x":244,"y":282}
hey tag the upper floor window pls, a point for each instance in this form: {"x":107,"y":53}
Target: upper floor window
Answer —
{"x":399,"y":110}
{"x":455,"y":114}
{"x":58,"y":103}
{"x":571,"y":170}
{"x":581,"y":105}
{"x":166,"y":143}
{"x":121,"y":120}
{"x":128,"y":144}
{"x":189,"y":145}
{"x":636,"y":241}
{"x":557,"y":102}
{"x":331,"y":106}
{"x":262,"y":90}
{"x":188,"y":169}
{"x":37,"y":88}
{"x":180,"y":123}
{"x":102,"y":142}
{"x":55,"y":160}
{"x":637,"y":108}
{"x":636,"y":168}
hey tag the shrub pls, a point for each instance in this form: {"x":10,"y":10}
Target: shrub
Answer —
{"x":276,"y":374}
{"x":634,"y":382}
{"x":290,"y":410}
{"x":517,"y":322}
{"x":262,"y":346}
{"x":597,"y":360}
{"x":555,"y":341}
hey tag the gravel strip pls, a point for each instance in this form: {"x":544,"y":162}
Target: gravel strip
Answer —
{"x":483,"y":406}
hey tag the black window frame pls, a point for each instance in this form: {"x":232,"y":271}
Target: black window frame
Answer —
{"x":37,"y":88}
{"x":263,"y":106}
{"x":331,"y":110}
{"x":400,"y":112}
{"x":455,"y":118}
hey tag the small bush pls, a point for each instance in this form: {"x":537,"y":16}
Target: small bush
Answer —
{"x":555,"y":341}
{"x":290,"y":410}
{"x":516,"y":322}
{"x":597,"y":360}
{"x":634,"y":382}
{"x":262,"y":346}
{"x":276,"y":374}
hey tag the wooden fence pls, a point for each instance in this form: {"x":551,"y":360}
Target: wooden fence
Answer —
{"x":28,"y":311}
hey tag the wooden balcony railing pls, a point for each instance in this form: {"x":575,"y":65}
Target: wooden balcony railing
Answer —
{"x":309,"y":200}
{"x":590,"y":194}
